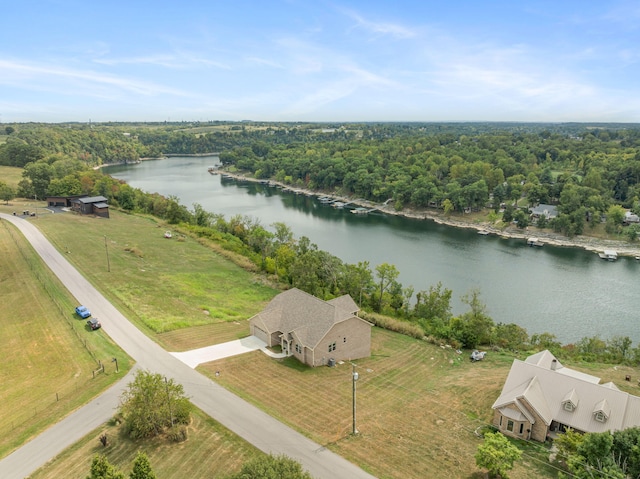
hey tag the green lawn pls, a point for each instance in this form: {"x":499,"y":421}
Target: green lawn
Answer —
{"x":418,"y":404}
{"x":49,"y":355}
{"x":10,"y":174}
{"x":160,"y":284}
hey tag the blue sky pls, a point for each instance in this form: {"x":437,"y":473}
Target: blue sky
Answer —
{"x":317,"y":60}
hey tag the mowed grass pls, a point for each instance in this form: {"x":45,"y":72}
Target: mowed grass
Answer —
{"x":11,"y":175}
{"x":210,"y":451}
{"x":161,"y":284}
{"x":418,"y":405}
{"x":48,"y":353}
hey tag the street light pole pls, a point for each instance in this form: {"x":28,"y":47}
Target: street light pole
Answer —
{"x":354,"y":376}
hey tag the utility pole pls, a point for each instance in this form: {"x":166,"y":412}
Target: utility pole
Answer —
{"x":354,"y":376}
{"x":115,"y":360}
{"x":106,"y":248}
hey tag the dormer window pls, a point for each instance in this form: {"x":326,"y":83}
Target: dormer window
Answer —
{"x":570,"y":401}
{"x":602,"y":411}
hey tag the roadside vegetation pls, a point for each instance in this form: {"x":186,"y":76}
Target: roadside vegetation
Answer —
{"x":420,"y":401}
{"x":210,"y":452}
{"x":51,"y":361}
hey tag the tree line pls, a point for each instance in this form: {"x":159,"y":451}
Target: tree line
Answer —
{"x":53,"y":164}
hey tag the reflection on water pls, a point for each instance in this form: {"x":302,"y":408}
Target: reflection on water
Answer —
{"x":566,"y":291}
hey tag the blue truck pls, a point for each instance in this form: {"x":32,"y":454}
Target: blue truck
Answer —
{"x":83,"y":312}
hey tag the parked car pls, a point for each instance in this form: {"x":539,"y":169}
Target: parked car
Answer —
{"x":94,"y":323}
{"x":83,"y":311}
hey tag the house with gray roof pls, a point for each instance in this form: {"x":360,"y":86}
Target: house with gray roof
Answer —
{"x":548,"y":211}
{"x":314,"y":331}
{"x":88,"y":205}
{"x":541,"y":397}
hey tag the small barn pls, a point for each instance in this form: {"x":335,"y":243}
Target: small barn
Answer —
{"x":91,"y":205}
{"x":62,"y":201}
{"x":314,"y":331}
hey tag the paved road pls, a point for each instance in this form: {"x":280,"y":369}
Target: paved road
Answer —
{"x":239,"y":416}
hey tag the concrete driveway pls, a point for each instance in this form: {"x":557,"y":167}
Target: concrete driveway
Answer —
{"x":195,"y":357}
{"x":237,"y":415}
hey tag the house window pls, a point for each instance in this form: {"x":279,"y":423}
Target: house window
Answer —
{"x":298,"y":349}
{"x":599,"y":416}
{"x":500,"y":421}
{"x":510,"y":425}
{"x":568,"y":406}
{"x":521,"y":427}
{"x":332,"y":347}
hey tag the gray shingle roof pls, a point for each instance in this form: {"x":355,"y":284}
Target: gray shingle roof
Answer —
{"x":310,"y":318}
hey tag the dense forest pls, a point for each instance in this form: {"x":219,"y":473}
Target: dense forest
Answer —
{"x":591,"y":172}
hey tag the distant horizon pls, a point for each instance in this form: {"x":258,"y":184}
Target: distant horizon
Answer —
{"x":320,"y":61}
{"x":321,"y":122}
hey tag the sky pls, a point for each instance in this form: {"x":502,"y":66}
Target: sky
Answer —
{"x":320,"y":60}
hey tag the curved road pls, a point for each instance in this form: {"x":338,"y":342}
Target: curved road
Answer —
{"x":244,"y":419}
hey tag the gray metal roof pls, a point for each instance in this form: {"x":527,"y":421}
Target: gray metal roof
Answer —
{"x":547,"y":390}
{"x":92,"y":199}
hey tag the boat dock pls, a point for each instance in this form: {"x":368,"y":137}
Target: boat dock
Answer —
{"x":609,"y":255}
{"x":534,"y":242}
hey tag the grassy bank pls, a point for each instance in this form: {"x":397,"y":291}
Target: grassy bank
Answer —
{"x":48,"y":353}
{"x":162,"y":285}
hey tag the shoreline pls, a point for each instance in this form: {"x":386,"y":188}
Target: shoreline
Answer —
{"x":588,"y":243}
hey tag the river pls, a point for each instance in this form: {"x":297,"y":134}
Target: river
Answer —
{"x":568,"y":292}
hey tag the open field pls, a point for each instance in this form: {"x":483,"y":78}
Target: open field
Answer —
{"x":49,"y":354}
{"x":418,"y":405}
{"x":160,"y":284}
{"x":10,"y":174}
{"x":210,"y":451}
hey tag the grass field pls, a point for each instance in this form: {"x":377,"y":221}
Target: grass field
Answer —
{"x":210,"y":451}
{"x":418,"y":404}
{"x":10,"y":174}
{"x":48,"y":354}
{"x":162,"y":285}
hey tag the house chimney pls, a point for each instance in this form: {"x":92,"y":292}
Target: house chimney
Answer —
{"x":554,"y":363}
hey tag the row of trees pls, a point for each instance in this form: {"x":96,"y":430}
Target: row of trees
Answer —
{"x":584,"y":171}
{"x":612,"y":455}
{"x":298,"y":262}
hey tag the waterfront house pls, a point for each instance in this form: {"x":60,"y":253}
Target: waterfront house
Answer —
{"x":314,"y":331}
{"x":541,"y":397}
{"x":548,"y":211}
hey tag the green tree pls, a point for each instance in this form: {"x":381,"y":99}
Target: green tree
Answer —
{"x":433,"y":307}
{"x":102,"y":469}
{"x":7,"y":192}
{"x":272,"y":467}
{"x":474,"y":327}
{"x":142,"y":468}
{"x":39,"y":174}
{"x":387,"y":274}
{"x":152,"y":404}
{"x":497,"y":454}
